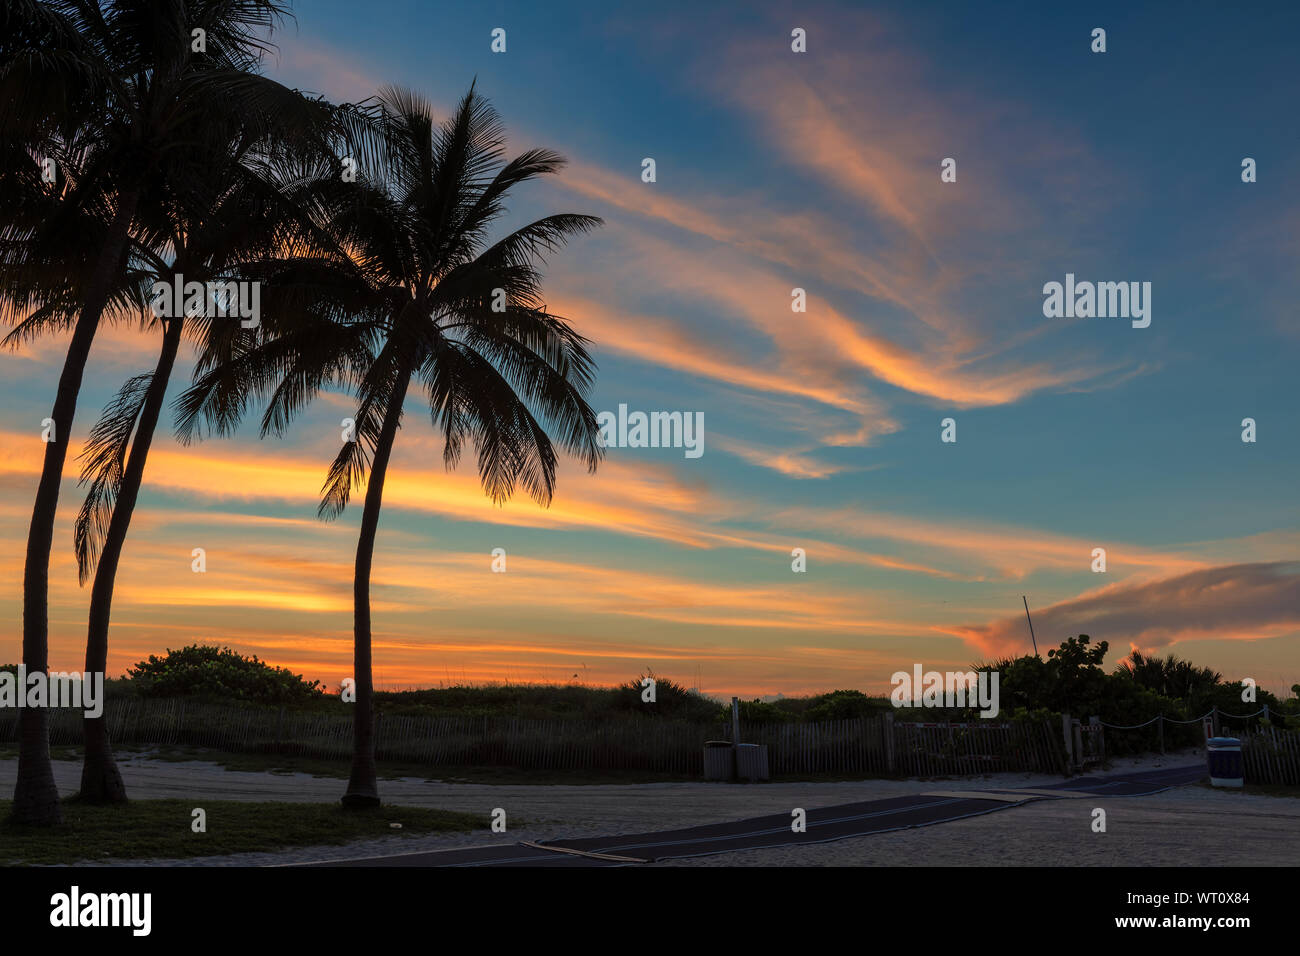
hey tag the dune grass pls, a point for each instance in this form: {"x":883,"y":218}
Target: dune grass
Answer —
{"x":161,"y":829}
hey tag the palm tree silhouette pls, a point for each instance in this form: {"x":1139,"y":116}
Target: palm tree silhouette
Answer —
{"x":110,"y":88}
{"x":407,"y":289}
{"x":240,"y":211}
{"x":1170,"y":676}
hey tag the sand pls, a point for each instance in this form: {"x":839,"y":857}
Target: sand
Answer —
{"x":1187,"y":826}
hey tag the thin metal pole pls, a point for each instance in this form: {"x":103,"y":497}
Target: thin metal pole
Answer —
{"x":1031,"y":624}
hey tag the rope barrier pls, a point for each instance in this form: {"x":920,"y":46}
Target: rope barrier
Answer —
{"x":1135,"y":726}
{"x":1194,"y":720}
{"x":1243,"y":716}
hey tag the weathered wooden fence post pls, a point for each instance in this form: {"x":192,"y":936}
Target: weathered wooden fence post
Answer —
{"x":735,"y":738}
{"x":889,"y":740}
{"x":1068,"y":736}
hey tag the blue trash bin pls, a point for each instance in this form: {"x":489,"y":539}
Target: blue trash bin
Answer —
{"x":1223,"y":754}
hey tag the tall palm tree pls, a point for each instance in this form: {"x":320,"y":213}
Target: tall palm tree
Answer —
{"x":62,"y":267}
{"x":110,"y":87}
{"x":240,"y":211}
{"x":408,"y":289}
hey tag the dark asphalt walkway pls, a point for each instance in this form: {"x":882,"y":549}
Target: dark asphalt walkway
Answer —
{"x":824,"y":824}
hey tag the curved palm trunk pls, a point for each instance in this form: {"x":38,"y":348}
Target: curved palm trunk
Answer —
{"x":363,"y":785}
{"x":101,"y":782}
{"x":36,"y":796}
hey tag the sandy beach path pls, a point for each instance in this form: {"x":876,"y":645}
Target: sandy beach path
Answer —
{"x":1191,"y":825}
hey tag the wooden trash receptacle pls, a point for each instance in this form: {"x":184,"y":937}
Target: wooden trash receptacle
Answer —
{"x":718,"y":761}
{"x":751,"y":762}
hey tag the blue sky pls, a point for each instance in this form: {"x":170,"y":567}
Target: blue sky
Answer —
{"x":819,"y":170}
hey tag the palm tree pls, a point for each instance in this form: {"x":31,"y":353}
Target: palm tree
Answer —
{"x":1171,"y":676}
{"x":61,"y":266}
{"x":240,"y":211}
{"x":109,"y":87}
{"x":407,"y":289}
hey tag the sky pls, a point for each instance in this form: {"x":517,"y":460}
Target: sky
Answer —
{"x":774,"y":171}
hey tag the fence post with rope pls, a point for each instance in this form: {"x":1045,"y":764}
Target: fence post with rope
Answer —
{"x":1212,"y":727}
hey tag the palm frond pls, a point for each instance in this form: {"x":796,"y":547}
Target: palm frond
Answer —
{"x":104,"y":460}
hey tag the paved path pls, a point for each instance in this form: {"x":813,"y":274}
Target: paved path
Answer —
{"x":823,"y":825}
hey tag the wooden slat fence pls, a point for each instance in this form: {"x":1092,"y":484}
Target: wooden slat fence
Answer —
{"x":867,"y":745}
{"x":976,"y":747}
{"x":1270,"y":755}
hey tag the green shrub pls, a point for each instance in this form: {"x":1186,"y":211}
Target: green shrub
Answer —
{"x":218,"y":672}
{"x":672,"y":700}
{"x":844,"y":705}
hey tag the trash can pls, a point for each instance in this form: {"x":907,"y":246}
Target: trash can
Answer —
{"x":751,"y":762}
{"x":1224,"y":757}
{"x":718,"y":763}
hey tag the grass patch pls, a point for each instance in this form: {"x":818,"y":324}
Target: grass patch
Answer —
{"x":60,"y":752}
{"x":144,"y":829}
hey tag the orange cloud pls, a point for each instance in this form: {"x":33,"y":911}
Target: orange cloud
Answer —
{"x":1229,"y":602}
{"x":826,"y":345}
{"x":663,"y":342}
{"x":626,"y":498}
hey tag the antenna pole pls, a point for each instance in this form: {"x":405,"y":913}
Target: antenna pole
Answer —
{"x":1031,"y":624}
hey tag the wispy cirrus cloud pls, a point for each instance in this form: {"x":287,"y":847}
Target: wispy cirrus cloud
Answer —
{"x":794,"y":463}
{"x":633,"y":498}
{"x":662,"y":341}
{"x":1000,"y":549}
{"x":310,"y":63}
{"x":876,"y":152}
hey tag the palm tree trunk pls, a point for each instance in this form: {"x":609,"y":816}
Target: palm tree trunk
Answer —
{"x":363,"y":785}
{"x":101,"y":781}
{"x":36,"y":796}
